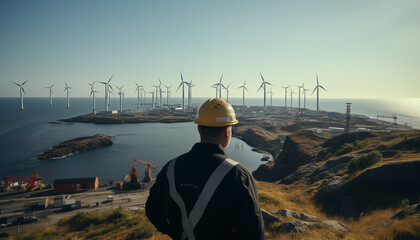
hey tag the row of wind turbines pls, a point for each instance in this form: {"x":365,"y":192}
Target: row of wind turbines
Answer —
{"x":219,"y":85}
{"x":157,"y":93}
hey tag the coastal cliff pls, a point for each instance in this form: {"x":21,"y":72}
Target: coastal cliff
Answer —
{"x":75,"y":146}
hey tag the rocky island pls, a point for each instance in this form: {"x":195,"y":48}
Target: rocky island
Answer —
{"x":76,"y":145}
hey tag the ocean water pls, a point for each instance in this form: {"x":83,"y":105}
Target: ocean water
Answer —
{"x":24,"y":134}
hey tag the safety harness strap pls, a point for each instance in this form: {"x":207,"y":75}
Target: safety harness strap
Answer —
{"x":189,"y":222}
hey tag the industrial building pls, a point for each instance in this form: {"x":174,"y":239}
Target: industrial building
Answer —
{"x":75,"y":184}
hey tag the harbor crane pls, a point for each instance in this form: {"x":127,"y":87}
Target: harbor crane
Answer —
{"x":147,"y":174}
{"x":32,"y":181}
{"x":393,"y":116}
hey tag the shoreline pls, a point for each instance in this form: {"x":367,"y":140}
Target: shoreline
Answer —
{"x":263,"y":131}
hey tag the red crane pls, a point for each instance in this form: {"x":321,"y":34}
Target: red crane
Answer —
{"x":147,"y":174}
{"x":30,"y":179}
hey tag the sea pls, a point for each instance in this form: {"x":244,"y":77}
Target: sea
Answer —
{"x":25,"y":134}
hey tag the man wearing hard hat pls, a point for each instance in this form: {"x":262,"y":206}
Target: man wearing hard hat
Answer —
{"x":203,"y":194}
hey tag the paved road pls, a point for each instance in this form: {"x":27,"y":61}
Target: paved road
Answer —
{"x":14,"y":205}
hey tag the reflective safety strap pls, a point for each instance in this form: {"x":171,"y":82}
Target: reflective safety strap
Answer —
{"x":189,"y":223}
{"x":186,"y":225}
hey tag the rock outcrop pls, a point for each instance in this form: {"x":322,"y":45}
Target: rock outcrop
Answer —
{"x":305,"y":226}
{"x":297,"y":215}
{"x":75,"y":146}
{"x":375,"y":188}
{"x":299,"y":148}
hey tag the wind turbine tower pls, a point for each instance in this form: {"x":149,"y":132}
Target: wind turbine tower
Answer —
{"x":182,"y":83}
{"x":243,"y":93}
{"x":227,"y":92}
{"x":304,"y":97}
{"x":153,"y":99}
{"x":120,"y":92}
{"x":190,"y":86}
{"x":291,"y":98}
{"x":50,"y":88}
{"x":263,"y":84}
{"x":285,"y":96}
{"x":92,"y":93}
{"x":271,"y":96}
{"x":66,"y":88}
{"x":139,"y":91}
{"x":22,"y":91}
{"x":168,"y":93}
{"x":317,"y":92}
{"x":303,"y":86}
{"x":107,"y":85}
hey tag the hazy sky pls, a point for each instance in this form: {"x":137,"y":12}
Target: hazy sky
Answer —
{"x":359,"y":48}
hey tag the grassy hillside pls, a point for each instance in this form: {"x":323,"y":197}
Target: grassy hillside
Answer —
{"x":367,"y":151}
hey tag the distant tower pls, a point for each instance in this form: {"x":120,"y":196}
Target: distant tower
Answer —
{"x":348,"y":117}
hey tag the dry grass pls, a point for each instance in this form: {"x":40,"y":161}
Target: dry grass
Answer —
{"x":298,"y":196}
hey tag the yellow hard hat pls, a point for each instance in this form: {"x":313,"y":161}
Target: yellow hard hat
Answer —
{"x":216,"y":112}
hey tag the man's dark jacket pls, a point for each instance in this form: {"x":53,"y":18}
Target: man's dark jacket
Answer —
{"x":232,"y":213}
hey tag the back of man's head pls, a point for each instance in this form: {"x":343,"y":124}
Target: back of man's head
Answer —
{"x":214,"y":117}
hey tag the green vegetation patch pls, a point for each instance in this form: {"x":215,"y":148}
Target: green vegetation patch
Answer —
{"x":267,"y":199}
{"x":100,"y":223}
{"x":351,"y":147}
{"x":363,"y":161}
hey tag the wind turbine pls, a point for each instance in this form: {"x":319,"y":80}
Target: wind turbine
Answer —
{"x":92,"y":93}
{"x":243,"y":93}
{"x":227,"y":91}
{"x":50,"y":88}
{"x":157,"y":90}
{"x":291,"y":98}
{"x":160,"y":93}
{"x":219,"y":86}
{"x":22,"y":91}
{"x":182,"y":83}
{"x":66,"y":88}
{"x":190,"y":86}
{"x":168,"y":92}
{"x":271,"y":96}
{"x":216,"y":89}
{"x":317,"y":92}
{"x":153,"y":99}
{"x":120,"y":93}
{"x":285,"y":95}
{"x":303,"y":86}
{"x":110,"y":91}
{"x":107,"y":85}
{"x":264,"y":83}
{"x":304,"y":97}
{"x":139,"y":91}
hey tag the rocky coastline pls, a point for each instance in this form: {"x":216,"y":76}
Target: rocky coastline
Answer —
{"x":74,"y":146}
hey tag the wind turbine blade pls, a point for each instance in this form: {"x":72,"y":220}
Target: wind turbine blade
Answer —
{"x":179,"y":86}
{"x":182,"y":78}
{"x":246,"y":88}
{"x":24,"y":82}
{"x":323,"y":88}
{"x":23,"y":90}
{"x":269,"y":83}
{"x":111,"y":87}
{"x":110,"y":78}
{"x":317,"y":83}
{"x":16,"y":84}
{"x":260,"y":86}
{"x":314,"y":90}
{"x":262,"y":78}
{"x":221,"y":78}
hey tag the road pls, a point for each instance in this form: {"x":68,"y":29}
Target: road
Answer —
{"x":18,"y":204}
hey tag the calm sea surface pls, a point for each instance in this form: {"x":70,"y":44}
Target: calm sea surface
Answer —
{"x":25,"y":134}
